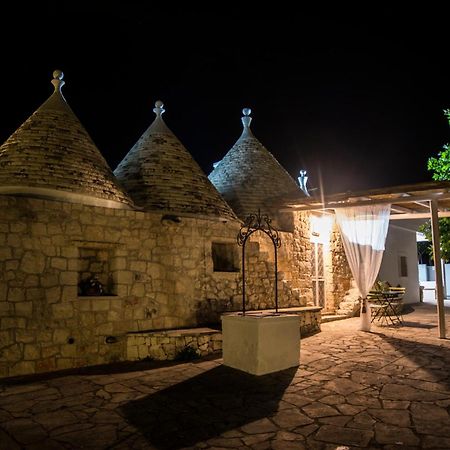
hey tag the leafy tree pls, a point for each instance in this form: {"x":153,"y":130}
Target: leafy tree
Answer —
{"x":423,"y":252}
{"x":441,"y":165}
{"x":441,"y":172}
{"x":444,"y":229}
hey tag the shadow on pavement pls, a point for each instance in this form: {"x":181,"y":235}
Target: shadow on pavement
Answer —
{"x":206,"y":405}
{"x":422,"y":362}
{"x":99,"y":369}
{"x":418,"y":325}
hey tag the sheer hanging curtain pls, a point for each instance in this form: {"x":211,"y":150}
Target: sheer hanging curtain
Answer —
{"x":363,"y":230}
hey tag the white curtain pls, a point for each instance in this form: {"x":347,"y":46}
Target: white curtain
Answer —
{"x":363,"y":230}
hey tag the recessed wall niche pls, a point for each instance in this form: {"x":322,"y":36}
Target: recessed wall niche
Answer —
{"x":96,"y":276}
{"x":225,"y":257}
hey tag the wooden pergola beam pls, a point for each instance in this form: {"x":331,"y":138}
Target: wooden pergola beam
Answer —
{"x":424,"y":215}
{"x":393,"y":201}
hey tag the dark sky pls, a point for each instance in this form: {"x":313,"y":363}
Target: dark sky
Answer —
{"x":353,"y":95}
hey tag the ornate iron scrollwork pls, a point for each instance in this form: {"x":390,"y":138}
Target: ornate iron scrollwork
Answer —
{"x":253,"y":223}
{"x":258,"y":222}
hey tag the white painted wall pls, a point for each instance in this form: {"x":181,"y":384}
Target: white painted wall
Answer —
{"x":401,"y":242}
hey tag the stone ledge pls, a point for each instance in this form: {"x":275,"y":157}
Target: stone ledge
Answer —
{"x":293,"y":310}
{"x":167,"y":344}
{"x":175,"y":333}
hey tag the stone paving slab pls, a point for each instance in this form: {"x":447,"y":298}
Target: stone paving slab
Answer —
{"x":387,"y":389}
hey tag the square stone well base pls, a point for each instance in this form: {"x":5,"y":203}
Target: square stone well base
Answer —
{"x":259,"y":343}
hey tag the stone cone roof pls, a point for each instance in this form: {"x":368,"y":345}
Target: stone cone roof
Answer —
{"x":250,"y":178}
{"x":160,"y":174}
{"x":52,"y":156}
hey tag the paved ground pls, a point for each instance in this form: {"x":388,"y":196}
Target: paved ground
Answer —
{"x":386,"y":389}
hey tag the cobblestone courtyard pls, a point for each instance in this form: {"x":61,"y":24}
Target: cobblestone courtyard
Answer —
{"x":386,"y":389}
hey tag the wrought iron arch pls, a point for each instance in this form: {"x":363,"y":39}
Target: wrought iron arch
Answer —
{"x":253,"y":223}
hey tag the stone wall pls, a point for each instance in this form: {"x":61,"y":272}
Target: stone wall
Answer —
{"x":170,"y":345}
{"x":160,"y":273}
{"x":299,"y":264}
{"x":224,"y":289}
{"x":338,"y":274}
{"x":310,"y":320}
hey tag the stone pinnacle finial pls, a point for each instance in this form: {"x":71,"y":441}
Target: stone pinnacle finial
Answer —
{"x":159,"y":108}
{"x":58,"y":81}
{"x":246,"y":120}
{"x":302,"y":180}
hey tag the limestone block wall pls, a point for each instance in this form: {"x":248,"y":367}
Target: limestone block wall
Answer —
{"x":158,"y":269}
{"x":310,"y":320}
{"x":223,"y":290}
{"x":300,"y":261}
{"x":167,"y":345}
{"x":338,"y":275}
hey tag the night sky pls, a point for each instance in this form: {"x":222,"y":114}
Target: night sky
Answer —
{"x":353,"y":95}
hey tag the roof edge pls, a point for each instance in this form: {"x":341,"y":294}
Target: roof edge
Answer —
{"x":70,"y":197}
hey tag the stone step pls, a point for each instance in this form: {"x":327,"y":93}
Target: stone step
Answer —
{"x":345,"y":309}
{"x":332,"y":317}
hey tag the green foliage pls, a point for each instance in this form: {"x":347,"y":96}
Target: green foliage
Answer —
{"x":187,"y":353}
{"x":381,"y":286}
{"x":444,"y":229}
{"x":440,"y":167}
{"x":424,"y":251}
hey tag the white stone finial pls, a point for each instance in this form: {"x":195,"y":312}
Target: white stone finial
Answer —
{"x":159,"y":108}
{"x":58,"y":74}
{"x":58,"y":81}
{"x":246,"y":120}
{"x":302,"y":180}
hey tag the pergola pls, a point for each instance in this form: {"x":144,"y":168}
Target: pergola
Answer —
{"x":429,"y":200}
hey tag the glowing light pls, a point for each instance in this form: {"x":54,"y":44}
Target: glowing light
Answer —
{"x":320,"y":227}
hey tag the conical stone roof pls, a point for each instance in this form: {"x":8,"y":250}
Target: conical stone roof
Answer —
{"x":160,"y":174}
{"x":249,"y":177}
{"x":52,"y":156}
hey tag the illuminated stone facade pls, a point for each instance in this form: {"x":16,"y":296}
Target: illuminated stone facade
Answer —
{"x":160,"y":273}
{"x":91,"y":265}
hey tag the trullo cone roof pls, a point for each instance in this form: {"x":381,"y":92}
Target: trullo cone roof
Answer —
{"x":52,"y":156}
{"x":160,"y":174}
{"x":249,"y":177}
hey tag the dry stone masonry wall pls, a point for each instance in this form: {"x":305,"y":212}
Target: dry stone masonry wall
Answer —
{"x":339,"y":276}
{"x":159,"y":276}
{"x":170,"y":345}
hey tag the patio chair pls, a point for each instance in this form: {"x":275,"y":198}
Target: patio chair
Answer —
{"x":397,"y":301}
{"x":377,"y":305}
{"x":386,"y":306}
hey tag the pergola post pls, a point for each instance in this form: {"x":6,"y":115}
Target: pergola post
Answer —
{"x":438,"y":267}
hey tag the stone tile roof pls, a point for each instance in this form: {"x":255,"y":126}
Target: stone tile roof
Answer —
{"x":249,"y":177}
{"x":52,"y":155}
{"x":160,"y":174}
